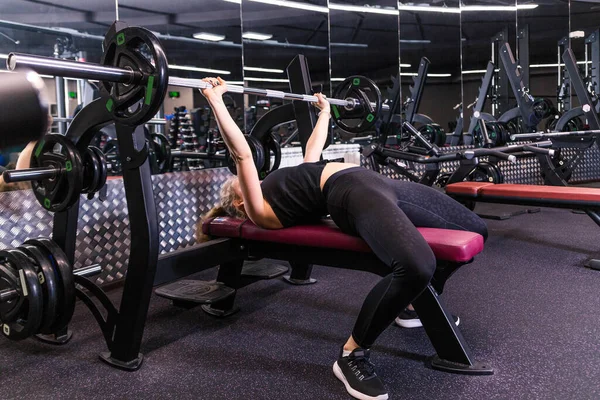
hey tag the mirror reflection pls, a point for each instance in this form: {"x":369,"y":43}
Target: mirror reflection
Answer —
{"x":273,"y":35}
{"x":487,"y":28}
{"x":431,"y":68}
{"x":364,"y":41}
{"x":54,"y":29}
{"x":198,"y":44}
{"x":542,"y":37}
{"x":585,"y":43}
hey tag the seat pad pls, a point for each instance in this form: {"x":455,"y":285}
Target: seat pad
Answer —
{"x":448,"y":245}
{"x":530,"y":192}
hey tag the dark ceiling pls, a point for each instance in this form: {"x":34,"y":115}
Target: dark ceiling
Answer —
{"x":374,"y":36}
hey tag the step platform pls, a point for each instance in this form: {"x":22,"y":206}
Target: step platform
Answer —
{"x":189,"y":293}
{"x":263,"y":269}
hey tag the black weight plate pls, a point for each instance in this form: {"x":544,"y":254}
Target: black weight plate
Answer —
{"x":9,"y":279}
{"x":274,"y":148}
{"x":65,"y":282}
{"x":113,"y":157}
{"x":62,"y":191}
{"x":30,"y":315}
{"x":47,"y":279}
{"x":365,"y":115}
{"x":103,"y":168}
{"x":91,"y":171}
{"x":485,"y":172}
{"x":137,"y":49}
{"x":162,"y":150}
{"x":258,"y":155}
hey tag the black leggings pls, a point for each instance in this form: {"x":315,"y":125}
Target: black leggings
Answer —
{"x":385,"y":213}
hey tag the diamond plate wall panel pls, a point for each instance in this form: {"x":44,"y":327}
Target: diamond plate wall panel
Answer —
{"x":526,"y":171}
{"x":103,"y":235}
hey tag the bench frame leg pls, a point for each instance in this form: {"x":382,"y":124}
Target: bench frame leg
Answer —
{"x":300,"y":274}
{"x":453,"y":353}
{"x":230,"y":275}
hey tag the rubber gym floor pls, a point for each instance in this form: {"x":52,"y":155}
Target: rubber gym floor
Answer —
{"x":527,"y":306}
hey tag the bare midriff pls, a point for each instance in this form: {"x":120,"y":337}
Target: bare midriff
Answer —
{"x":332,"y":168}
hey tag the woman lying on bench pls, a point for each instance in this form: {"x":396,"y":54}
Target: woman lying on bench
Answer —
{"x":382,"y":211}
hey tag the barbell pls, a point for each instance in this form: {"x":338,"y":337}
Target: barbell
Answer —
{"x":134,"y":71}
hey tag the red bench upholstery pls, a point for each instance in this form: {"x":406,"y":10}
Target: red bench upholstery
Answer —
{"x":448,"y":245}
{"x":542,"y":193}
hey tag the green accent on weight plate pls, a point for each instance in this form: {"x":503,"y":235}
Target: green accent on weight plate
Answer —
{"x":263,"y":174}
{"x":370,"y":117}
{"x":120,"y":38}
{"x":109,"y":105}
{"x":39,"y":148}
{"x":69,"y":166}
{"x":149,"y":87}
{"x":356,"y":81}
{"x":47,"y":202}
{"x":335,"y":111}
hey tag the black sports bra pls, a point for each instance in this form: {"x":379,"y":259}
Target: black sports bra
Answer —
{"x":294,"y":193}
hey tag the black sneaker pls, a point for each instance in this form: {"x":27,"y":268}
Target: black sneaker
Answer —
{"x":410,"y":319}
{"x":358,"y":375}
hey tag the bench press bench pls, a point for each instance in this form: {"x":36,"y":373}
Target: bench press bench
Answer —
{"x":570,"y":197}
{"x":325,"y":244}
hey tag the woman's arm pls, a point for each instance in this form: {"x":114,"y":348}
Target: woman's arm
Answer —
{"x":240,"y":151}
{"x":318,"y":137}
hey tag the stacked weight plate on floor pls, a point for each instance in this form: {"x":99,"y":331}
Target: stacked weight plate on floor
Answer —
{"x":37,"y":291}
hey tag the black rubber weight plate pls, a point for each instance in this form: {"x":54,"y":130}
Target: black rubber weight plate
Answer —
{"x":47,"y":278}
{"x":9,"y":279}
{"x":64,"y":281}
{"x":31,"y":311}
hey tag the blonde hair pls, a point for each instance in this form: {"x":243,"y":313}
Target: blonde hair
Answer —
{"x":226,"y":207}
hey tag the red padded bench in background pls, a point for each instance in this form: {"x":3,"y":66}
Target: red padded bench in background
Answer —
{"x":542,"y":195}
{"x":447,"y":245}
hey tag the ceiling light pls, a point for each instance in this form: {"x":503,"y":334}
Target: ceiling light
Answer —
{"x":499,"y":8}
{"x":577,"y":34}
{"x":424,"y":41}
{"x":429,"y":75}
{"x":405,"y":65}
{"x":208,"y":36}
{"x":249,"y":78}
{"x":234,"y":1}
{"x":256,"y":36}
{"x":448,"y":10}
{"x":269,"y":70}
{"x":199,"y":69}
{"x":339,"y":44}
{"x":2,"y":55}
{"x":363,"y":9}
{"x":474,"y":71}
{"x":294,"y":4}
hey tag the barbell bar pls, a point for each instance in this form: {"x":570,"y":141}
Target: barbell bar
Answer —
{"x":74,"y":69}
{"x":86,"y":272}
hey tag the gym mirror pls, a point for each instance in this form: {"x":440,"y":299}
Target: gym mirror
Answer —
{"x":585,"y":43}
{"x":430,"y":65}
{"x":542,"y":37}
{"x":55,"y":28}
{"x":364,"y":41}
{"x":486,"y":27}
{"x":273,"y":34}
{"x":198,"y":44}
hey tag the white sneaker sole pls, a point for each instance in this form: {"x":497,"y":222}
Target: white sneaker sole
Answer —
{"x":354,"y":393}
{"x":415,"y":323}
